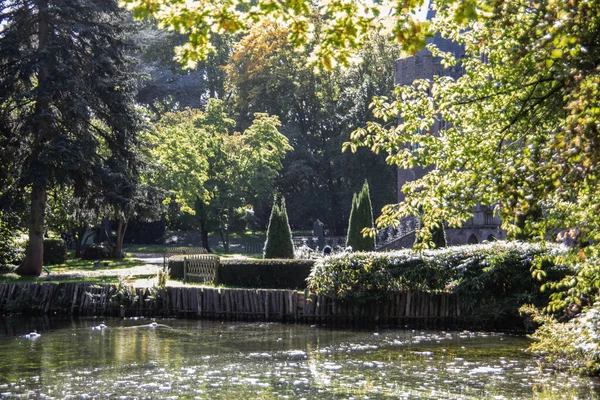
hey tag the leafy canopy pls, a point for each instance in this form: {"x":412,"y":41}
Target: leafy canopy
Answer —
{"x":522,"y":120}
{"x":199,"y":156}
{"x":345,"y":24}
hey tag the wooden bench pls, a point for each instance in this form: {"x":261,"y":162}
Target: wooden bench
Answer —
{"x":200,"y":268}
{"x":178,"y":251}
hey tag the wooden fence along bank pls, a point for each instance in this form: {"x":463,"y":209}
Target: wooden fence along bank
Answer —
{"x":225,"y":304}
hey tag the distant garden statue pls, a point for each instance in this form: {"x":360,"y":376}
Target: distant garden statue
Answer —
{"x":319,"y":233}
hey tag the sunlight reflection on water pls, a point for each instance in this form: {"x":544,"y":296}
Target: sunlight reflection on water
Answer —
{"x":205,"y":359}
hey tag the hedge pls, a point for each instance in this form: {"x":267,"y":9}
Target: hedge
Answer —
{"x":492,"y":280}
{"x":251,"y":273}
{"x":176,"y":267}
{"x":266,"y":274}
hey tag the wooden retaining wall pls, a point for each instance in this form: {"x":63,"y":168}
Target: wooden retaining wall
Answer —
{"x":225,"y":304}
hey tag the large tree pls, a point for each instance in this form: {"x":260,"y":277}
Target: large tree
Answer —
{"x":66,"y":95}
{"x":211,"y":168}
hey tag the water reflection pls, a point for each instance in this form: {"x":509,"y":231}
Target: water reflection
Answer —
{"x":202,"y":359}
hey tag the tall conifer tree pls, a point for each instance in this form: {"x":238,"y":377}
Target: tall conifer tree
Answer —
{"x":66,"y":93}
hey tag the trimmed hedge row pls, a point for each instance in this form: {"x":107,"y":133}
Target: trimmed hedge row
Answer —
{"x":492,"y":280}
{"x":251,"y":273}
{"x":176,"y":267}
{"x":266,"y":274}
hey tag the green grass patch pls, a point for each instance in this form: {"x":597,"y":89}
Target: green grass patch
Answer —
{"x":245,"y":237}
{"x":102,"y":279}
{"x":146,"y":248}
{"x":228,"y":256}
{"x":88,"y":265}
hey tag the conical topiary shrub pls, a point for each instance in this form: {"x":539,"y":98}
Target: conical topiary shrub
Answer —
{"x":279,"y":242}
{"x":361,"y":217}
{"x":351,"y":236}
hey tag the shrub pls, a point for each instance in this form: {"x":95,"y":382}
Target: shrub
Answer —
{"x":176,"y":267}
{"x":279,"y":242}
{"x":352,"y":234}
{"x":265,"y":274}
{"x":55,"y":251}
{"x":572,"y":345}
{"x":97,"y":251}
{"x":491,"y":280}
{"x":11,"y":251}
{"x":7,"y":269}
{"x":361,"y":217}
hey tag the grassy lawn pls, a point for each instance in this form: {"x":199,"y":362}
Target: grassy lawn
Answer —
{"x":107,"y":271}
{"x":77,"y":270}
{"x":146,"y":248}
{"x":73,"y":264}
{"x":98,"y":279}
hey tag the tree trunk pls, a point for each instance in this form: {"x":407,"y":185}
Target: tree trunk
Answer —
{"x":121,"y":229}
{"x":201,"y":211}
{"x":227,"y":228}
{"x":224,"y":240}
{"x":204,"y":238}
{"x":34,"y":256}
{"x":80,"y":237}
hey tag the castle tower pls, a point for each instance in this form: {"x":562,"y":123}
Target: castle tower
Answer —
{"x":483,"y":225}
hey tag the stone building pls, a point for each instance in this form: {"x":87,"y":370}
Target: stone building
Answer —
{"x":483,"y":225}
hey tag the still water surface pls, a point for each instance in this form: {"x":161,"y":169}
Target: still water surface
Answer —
{"x":212,"y":360}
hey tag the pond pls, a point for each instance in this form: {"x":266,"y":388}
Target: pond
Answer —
{"x":134,"y":358}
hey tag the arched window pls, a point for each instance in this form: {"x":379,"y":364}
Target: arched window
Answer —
{"x":491,"y":238}
{"x":473,"y":239}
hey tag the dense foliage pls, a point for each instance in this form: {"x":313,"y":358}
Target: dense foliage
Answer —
{"x":10,"y":251}
{"x":572,"y":345}
{"x":492,"y":280}
{"x":146,"y":232}
{"x":344,"y":26}
{"x":360,"y":225}
{"x":521,"y":122}
{"x":55,"y":251}
{"x":266,"y":74}
{"x":279,"y":235}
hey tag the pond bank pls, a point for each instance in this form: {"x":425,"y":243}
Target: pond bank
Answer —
{"x":226,"y":304}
